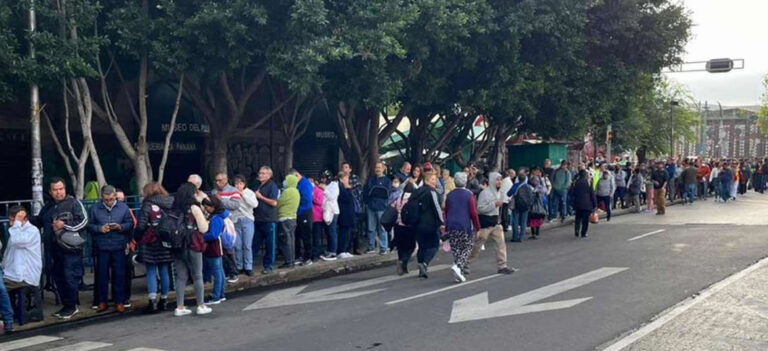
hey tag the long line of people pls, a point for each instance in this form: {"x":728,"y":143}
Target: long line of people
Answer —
{"x":328,"y":218}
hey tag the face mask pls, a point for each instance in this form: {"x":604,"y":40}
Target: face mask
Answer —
{"x":17,"y":224}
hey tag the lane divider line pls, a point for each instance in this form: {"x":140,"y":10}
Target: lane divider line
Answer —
{"x":646,"y":234}
{"x":443,"y":289}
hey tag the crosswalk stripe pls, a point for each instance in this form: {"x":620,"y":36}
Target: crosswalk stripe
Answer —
{"x":83,"y":346}
{"x":144,"y":349}
{"x":26,"y":342}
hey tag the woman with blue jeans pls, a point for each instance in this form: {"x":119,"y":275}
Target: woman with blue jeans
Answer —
{"x":156,"y":257}
{"x":212,"y":256}
{"x":243,"y":219}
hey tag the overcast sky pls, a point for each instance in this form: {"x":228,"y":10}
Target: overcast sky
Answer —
{"x":735,"y":29}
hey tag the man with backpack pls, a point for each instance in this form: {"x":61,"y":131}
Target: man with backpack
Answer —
{"x":64,"y":222}
{"x":488,"y":205}
{"x":522,"y":193}
{"x":376,"y":195}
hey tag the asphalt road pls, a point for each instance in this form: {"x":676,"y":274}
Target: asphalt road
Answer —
{"x":570,"y":294}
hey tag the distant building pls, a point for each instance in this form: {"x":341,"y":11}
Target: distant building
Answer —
{"x":727,"y":132}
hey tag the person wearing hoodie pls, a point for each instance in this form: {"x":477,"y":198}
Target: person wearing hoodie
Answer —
{"x":331,"y":213}
{"x":110,"y":227}
{"x":376,"y":194}
{"x":156,"y":257}
{"x":488,"y":205}
{"x":584,"y":203}
{"x":606,"y":186}
{"x":461,"y":222}
{"x":287,"y":208}
{"x":22,"y":262}
{"x":212,"y":256}
{"x":304,"y":233}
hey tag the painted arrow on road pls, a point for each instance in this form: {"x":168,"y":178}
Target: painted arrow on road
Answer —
{"x":293,"y":296}
{"x":477,"y":307}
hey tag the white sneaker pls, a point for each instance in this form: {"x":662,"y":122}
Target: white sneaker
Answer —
{"x":181,"y":312}
{"x":203,"y":309}
{"x":344,"y":255}
{"x":457,"y":274}
{"x":329,"y":257}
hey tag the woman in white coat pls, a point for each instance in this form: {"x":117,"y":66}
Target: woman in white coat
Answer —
{"x":331,"y":216}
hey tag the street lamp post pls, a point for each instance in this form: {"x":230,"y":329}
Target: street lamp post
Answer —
{"x":37,"y":153}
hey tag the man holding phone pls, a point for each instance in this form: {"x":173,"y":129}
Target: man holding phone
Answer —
{"x":110,"y":227}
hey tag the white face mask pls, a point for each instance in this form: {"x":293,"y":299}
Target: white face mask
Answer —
{"x":17,"y":224}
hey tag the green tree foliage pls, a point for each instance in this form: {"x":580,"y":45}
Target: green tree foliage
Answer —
{"x":762,"y":115}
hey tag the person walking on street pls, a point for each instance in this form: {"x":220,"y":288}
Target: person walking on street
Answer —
{"x":488,"y":205}
{"x":376,"y":194}
{"x":689,"y":180}
{"x":287,"y":209}
{"x":620,"y":180}
{"x":405,"y":235}
{"x":157,"y":258}
{"x":265,"y":219}
{"x":660,"y":178}
{"x":584,"y":203}
{"x":725,"y":178}
{"x":522,"y":194}
{"x":535,"y":221}
{"x":430,"y":221}
{"x":461,"y":222}
{"x":243,"y":219}
{"x":110,"y":227}
{"x":561,"y":181}
{"x":606,"y":186}
{"x":189,"y":259}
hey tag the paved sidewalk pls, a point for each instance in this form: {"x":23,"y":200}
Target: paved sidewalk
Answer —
{"x":730,"y":315}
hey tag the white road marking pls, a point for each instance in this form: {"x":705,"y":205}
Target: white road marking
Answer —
{"x":144,"y":349}
{"x":82,"y":346}
{"x":683,"y":306}
{"x":646,"y":234}
{"x":442,"y":289}
{"x":477,"y":307}
{"x":27,"y":342}
{"x":292,"y":296}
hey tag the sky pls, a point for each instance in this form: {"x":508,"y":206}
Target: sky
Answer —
{"x":734,"y":29}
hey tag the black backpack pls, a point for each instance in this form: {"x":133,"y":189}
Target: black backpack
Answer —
{"x":172,"y":230}
{"x":409,"y":214}
{"x":524,"y":198}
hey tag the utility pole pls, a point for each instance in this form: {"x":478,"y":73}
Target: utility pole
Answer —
{"x":37,"y":152}
{"x":608,"y":140}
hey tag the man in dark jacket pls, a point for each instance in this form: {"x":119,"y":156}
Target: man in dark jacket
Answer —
{"x":304,"y":220}
{"x":265,"y":219}
{"x":110,"y":227}
{"x":584,"y":202}
{"x":661,"y":180}
{"x":376,"y":195}
{"x":63,"y":214}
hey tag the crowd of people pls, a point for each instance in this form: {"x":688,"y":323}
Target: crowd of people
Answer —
{"x":216,"y":236}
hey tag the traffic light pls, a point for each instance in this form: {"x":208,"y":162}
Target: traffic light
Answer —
{"x":719,"y":65}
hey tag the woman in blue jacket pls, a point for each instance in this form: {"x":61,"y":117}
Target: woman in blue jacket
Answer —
{"x":212,"y":256}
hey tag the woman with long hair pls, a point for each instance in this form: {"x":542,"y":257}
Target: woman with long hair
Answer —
{"x":404,"y":235}
{"x":430,"y":220}
{"x":417,"y":176}
{"x":156,"y":258}
{"x":189,"y":260}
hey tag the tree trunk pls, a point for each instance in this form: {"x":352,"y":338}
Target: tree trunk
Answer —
{"x":219,"y":163}
{"x":289,"y":154}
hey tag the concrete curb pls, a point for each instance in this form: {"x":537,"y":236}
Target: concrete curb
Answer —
{"x":319,"y":270}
